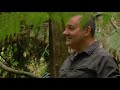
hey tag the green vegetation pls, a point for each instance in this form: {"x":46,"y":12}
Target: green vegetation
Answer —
{"x":24,"y":38}
{"x":24,"y":42}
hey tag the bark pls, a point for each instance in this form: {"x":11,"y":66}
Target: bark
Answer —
{"x":58,"y":50}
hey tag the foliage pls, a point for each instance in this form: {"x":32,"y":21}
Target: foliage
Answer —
{"x":23,"y":42}
{"x":30,"y":52}
{"x":106,"y":29}
{"x":9,"y":22}
{"x":57,"y":16}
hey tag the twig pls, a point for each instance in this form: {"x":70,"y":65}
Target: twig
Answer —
{"x":113,"y":24}
{"x":45,"y":50}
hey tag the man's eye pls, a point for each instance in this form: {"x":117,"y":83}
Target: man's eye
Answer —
{"x":71,"y":28}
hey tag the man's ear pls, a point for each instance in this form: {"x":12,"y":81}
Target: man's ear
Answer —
{"x":87,"y":30}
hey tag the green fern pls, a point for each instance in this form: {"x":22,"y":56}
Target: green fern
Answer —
{"x":67,"y":15}
{"x":9,"y":22}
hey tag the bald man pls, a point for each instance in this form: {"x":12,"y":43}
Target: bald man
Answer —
{"x":88,"y":60}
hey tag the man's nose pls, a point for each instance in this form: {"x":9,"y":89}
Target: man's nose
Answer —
{"x":66,"y":32}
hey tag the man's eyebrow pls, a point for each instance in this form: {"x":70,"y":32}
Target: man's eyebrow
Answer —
{"x":70,"y":25}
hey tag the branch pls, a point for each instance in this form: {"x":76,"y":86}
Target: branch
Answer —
{"x":17,"y":71}
{"x":113,"y":24}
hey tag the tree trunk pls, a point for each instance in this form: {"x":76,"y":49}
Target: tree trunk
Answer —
{"x":58,"y":49}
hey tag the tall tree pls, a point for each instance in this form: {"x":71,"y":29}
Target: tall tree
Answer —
{"x":58,"y":50}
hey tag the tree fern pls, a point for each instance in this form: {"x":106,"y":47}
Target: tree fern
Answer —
{"x":9,"y":22}
{"x":67,"y":15}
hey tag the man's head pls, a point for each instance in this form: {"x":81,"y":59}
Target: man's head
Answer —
{"x":76,"y":34}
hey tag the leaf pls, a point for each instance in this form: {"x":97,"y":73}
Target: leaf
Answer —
{"x":4,"y":74}
{"x":106,"y":19}
{"x":9,"y":22}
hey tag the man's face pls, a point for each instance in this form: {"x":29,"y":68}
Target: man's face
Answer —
{"x":74,"y":35}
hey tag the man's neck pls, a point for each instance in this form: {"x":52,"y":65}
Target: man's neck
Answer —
{"x":84,"y":45}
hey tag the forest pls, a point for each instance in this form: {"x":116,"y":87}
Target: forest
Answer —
{"x":32,"y":44}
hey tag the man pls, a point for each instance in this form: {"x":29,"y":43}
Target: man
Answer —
{"x":88,"y":60}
